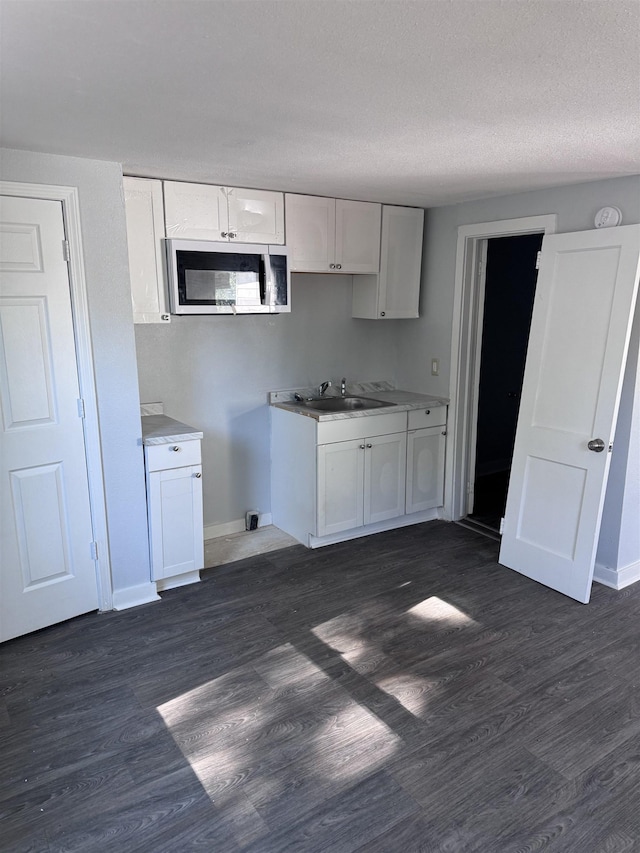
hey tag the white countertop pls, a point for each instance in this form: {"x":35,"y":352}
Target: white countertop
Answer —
{"x":403,"y":401}
{"x":160,"y":429}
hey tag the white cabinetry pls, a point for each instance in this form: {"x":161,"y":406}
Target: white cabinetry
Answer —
{"x":425,"y":459}
{"x":332,"y":235}
{"x":174,"y":505}
{"x":205,"y":212}
{"x":336,"y":480}
{"x":394,"y":294}
{"x":361,"y":481}
{"x":145,"y":230}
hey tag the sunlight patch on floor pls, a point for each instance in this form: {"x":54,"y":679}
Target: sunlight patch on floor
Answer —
{"x":436,"y":610}
{"x":282,"y":712}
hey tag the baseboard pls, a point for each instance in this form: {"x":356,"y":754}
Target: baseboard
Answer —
{"x":617,"y":578}
{"x":132,"y":596}
{"x":379,"y":527}
{"x":178,"y":580}
{"x":213,"y":531}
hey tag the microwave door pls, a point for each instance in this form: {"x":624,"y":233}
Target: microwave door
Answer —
{"x":218,"y":282}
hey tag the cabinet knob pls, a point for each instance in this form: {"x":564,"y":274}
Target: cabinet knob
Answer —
{"x":382,"y":313}
{"x":198,"y":475}
{"x":444,"y":432}
{"x":165,"y":317}
{"x":362,"y":447}
{"x":427,"y":411}
{"x":338,"y":266}
{"x":224,"y":233}
{"x":176,"y":448}
{"x":232,"y":235}
{"x":369,"y":445}
{"x":332,"y":266}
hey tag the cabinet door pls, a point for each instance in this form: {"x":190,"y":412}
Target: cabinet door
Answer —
{"x":357,"y":236}
{"x":256,"y":216}
{"x":195,"y":211}
{"x":425,"y":469}
{"x":311,"y":227}
{"x":384,"y":477}
{"x":400,"y":262}
{"x":340,"y":486}
{"x":145,"y":230}
{"x":175,"y":521}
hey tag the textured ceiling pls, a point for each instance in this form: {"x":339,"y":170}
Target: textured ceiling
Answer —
{"x":425,"y":102}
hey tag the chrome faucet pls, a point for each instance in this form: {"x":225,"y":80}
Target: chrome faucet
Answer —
{"x":343,"y":386}
{"x":323,"y":387}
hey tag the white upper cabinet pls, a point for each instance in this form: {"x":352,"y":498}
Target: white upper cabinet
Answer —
{"x":255,"y":216}
{"x":395,"y":293}
{"x":204,"y":212}
{"x":145,"y":230}
{"x":332,"y":235}
{"x":195,"y":211}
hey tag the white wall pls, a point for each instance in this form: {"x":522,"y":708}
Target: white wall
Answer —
{"x":106,"y":266}
{"x":214,"y":372}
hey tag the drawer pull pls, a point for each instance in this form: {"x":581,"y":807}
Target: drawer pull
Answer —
{"x":177,"y":448}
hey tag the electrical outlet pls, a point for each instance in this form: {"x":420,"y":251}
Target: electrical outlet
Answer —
{"x":435,"y":366}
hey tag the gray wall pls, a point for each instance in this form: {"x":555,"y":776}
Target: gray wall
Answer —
{"x":214,"y":373}
{"x":430,"y":336}
{"x":106,"y":267}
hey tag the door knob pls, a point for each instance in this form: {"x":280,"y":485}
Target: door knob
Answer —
{"x":596,"y":444}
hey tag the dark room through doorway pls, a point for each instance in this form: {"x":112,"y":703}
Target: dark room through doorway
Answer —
{"x":510,"y":283}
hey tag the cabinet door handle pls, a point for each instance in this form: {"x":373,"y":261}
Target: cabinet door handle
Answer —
{"x":382,"y":313}
{"x":332,"y":266}
{"x":224,"y":234}
{"x":338,"y":266}
{"x":362,"y":447}
{"x":198,"y":475}
{"x":428,"y":412}
{"x":444,"y":432}
{"x":232,"y":235}
{"x":176,"y":448}
{"x":369,"y":445}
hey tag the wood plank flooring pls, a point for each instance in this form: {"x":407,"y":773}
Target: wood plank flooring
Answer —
{"x":394,"y":694}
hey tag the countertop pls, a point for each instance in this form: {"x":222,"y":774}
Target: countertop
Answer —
{"x":403,"y":401}
{"x":160,"y":429}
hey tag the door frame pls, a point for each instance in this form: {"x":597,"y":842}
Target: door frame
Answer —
{"x":468,"y":311}
{"x":68,"y":196}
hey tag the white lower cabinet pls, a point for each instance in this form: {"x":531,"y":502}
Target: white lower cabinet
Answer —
{"x":425,"y":469}
{"x":425,"y":458}
{"x":335,"y":480}
{"x":174,"y":505}
{"x":360,"y":482}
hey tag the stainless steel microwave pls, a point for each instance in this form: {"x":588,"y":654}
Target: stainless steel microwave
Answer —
{"x":227,"y":278}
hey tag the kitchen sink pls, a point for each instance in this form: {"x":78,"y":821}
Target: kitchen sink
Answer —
{"x":343,"y":404}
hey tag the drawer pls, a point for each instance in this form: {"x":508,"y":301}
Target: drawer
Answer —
{"x":159,"y":457}
{"x":348,"y":429}
{"x":435,"y":416}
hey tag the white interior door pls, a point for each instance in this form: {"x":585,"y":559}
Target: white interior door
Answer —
{"x":47,"y":573}
{"x":578,"y":343}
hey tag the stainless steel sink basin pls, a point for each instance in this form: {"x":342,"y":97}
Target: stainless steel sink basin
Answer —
{"x":343,"y":404}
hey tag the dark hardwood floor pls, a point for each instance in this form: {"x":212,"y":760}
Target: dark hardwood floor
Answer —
{"x":397,"y":693}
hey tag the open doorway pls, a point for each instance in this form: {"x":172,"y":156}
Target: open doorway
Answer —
{"x":468,"y":300}
{"x":506,"y":303}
